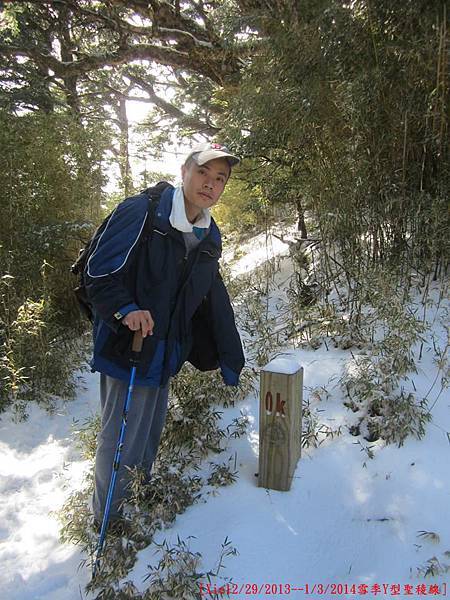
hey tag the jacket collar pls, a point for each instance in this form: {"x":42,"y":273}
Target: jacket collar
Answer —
{"x":213,"y":241}
{"x":178,"y":217}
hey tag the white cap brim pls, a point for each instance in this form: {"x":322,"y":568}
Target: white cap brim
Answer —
{"x":206,"y":155}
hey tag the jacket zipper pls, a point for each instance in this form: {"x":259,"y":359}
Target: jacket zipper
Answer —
{"x":166,"y":367}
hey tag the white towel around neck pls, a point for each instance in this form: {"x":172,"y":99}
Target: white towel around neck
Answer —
{"x":178,"y":218}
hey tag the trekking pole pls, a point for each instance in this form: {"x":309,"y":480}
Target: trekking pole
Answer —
{"x":135,"y":356}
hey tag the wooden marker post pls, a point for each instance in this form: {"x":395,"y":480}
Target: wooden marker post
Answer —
{"x":280,"y":423}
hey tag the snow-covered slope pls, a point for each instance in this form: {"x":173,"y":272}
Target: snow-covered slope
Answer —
{"x":347,"y":519}
{"x":38,"y":461}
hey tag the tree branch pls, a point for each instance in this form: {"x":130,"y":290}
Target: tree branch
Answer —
{"x":210,"y":64}
{"x":171,"y":110}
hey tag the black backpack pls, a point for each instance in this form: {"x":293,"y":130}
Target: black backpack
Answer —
{"x":79,"y":266}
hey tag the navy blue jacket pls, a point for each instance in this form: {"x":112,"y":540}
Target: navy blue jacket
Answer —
{"x":136,"y":267}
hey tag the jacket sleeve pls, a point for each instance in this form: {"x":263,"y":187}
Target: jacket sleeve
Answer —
{"x":110,"y":260}
{"x":228,"y":341}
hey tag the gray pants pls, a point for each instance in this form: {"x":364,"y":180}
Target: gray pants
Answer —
{"x":146,"y":418}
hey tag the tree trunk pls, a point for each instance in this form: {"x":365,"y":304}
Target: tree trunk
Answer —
{"x":301,"y":225}
{"x":124,"y":156}
{"x":67,"y":56}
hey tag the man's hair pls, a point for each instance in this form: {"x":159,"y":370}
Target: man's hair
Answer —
{"x":189,"y":161}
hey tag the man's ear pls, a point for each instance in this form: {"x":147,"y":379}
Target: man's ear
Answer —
{"x":183,"y":171}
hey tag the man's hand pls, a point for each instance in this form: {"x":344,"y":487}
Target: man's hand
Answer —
{"x":139,"y":319}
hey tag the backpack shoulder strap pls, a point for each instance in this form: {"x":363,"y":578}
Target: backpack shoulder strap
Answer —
{"x":155,"y":191}
{"x":154,"y":194}
{"x":152,"y":204}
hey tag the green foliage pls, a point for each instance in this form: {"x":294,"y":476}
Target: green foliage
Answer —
{"x":85,"y":436}
{"x":242,"y":208}
{"x":36,"y":361}
{"x":431,"y":536}
{"x":253,"y":316}
{"x":433,"y":567}
{"x":170,"y":490}
{"x":377,"y":318}
{"x":391,"y":331}
{"x":376,"y":315}
{"x":51,"y":180}
{"x":222,"y":474}
{"x":343,"y":109}
{"x":153,"y":177}
{"x":76,"y":519}
{"x":315,"y":432}
{"x":177,"y":573}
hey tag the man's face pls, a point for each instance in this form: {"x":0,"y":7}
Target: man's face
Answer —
{"x":203,"y":185}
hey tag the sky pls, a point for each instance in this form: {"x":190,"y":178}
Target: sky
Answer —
{"x":136,"y":113}
{"x":171,"y":161}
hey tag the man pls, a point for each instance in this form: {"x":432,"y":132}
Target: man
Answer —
{"x":165,"y":281}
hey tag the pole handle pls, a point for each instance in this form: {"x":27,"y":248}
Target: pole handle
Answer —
{"x":137,"y":342}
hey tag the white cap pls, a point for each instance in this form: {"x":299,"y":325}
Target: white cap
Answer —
{"x":202,"y":153}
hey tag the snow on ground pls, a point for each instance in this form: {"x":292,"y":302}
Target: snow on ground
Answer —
{"x":347,"y":519}
{"x":37,"y":460}
{"x":257,"y":250}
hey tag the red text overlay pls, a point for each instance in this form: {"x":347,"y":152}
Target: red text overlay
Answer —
{"x":330,"y":590}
